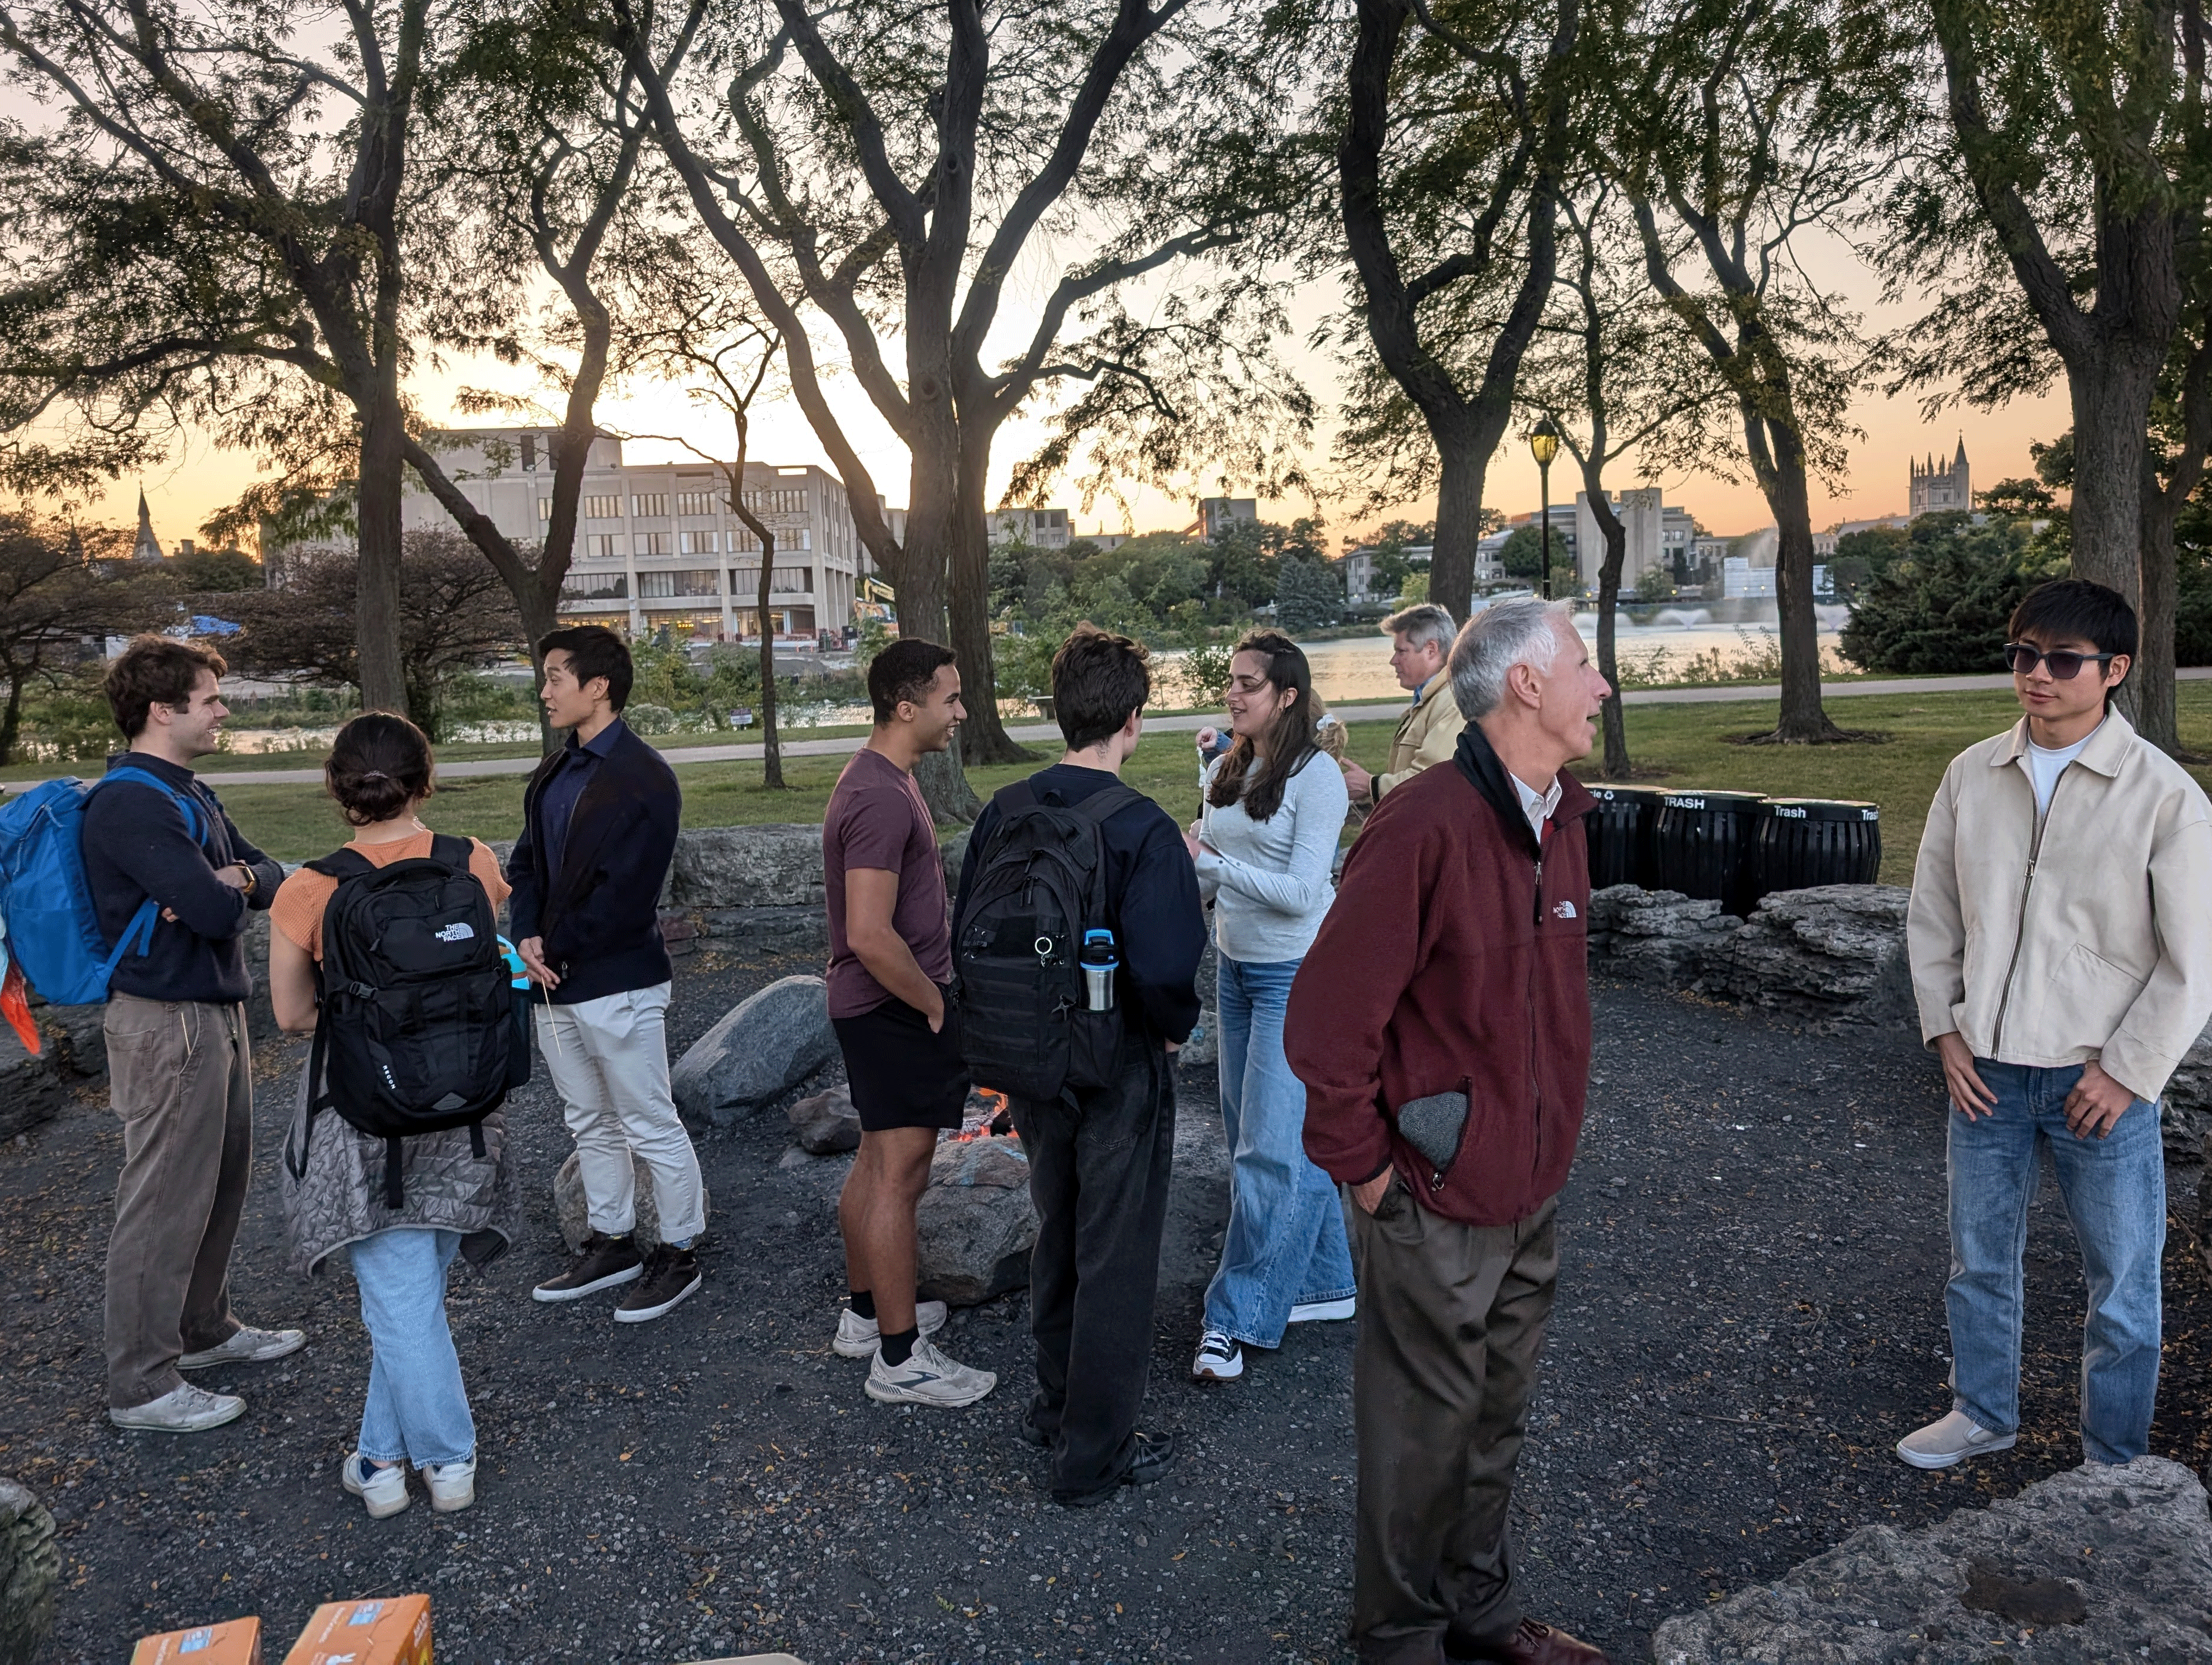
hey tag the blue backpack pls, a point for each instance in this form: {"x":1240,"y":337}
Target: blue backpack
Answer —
{"x":54,"y":930}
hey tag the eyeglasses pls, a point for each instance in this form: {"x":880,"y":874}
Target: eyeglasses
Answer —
{"x":2065,"y":664}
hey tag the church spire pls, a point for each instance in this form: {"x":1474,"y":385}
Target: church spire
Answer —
{"x":1961,"y":462}
{"x":147,"y":548}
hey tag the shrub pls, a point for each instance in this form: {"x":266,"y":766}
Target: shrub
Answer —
{"x":1945,"y":608}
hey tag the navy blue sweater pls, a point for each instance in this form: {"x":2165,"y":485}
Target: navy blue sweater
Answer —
{"x":1152,"y":896}
{"x":135,"y":846}
{"x":600,"y":914}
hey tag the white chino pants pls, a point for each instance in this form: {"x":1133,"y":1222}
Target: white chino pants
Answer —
{"x":609,"y":1061}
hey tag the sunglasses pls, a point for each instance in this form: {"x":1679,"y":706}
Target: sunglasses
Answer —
{"x":2065,"y":664}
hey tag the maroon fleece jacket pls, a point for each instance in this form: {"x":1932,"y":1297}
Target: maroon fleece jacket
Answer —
{"x":1454,"y":959}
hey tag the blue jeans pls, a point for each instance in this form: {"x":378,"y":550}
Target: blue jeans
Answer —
{"x":1285,"y":1242}
{"x":2114,"y":1189}
{"x":417,"y":1410}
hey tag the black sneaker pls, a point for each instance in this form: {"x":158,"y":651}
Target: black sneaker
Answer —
{"x":601,"y":1263}
{"x":1150,"y":1458}
{"x":671,"y":1276}
{"x":1031,"y":1435}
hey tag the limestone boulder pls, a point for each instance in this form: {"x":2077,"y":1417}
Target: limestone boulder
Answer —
{"x":759,"y":1051}
{"x":72,"y":1053}
{"x":953,"y":852}
{"x":2185,"y":1111}
{"x":1659,"y":936}
{"x":1834,"y":951}
{"x":827,"y":1122}
{"x":1203,"y":1049}
{"x":722,"y":868}
{"x":974,"y":1221}
{"x":30,"y":1574}
{"x":2091,"y":1566}
{"x":572,"y":1210}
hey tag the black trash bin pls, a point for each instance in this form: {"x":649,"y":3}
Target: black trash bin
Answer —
{"x":1804,"y":842}
{"x":1621,"y":829}
{"x":1702,"y":846}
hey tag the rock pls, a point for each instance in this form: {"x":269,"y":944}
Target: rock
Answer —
{"x":2204,"y":1204}
{"x":760,"y":1050}
{"x":768,"y":930}
{"x":1659,"y":936}
{"x":1203,"y":1049}
{"x":1835,"y":950}
{"x":72,"y":1051}
{"x":827,"y":1123}
{"x":573,"y":1212}
{"x":2185,"y":1111}
{"x":30,"y":1572}
{"x":1952,"y":1592}
{"x":748,"y":868}
{"x":953,"y":852}
{"x":974,"y":1221}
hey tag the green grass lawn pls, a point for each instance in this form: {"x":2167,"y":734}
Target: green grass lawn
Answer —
{"x":1676,"y":746}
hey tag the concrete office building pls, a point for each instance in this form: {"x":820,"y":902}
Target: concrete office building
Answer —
{"x":1658,"y":538}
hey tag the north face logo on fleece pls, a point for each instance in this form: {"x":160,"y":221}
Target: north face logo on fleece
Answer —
{"x":1564,"y":910}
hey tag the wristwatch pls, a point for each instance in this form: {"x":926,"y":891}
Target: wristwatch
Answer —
{"x":250,"y":880}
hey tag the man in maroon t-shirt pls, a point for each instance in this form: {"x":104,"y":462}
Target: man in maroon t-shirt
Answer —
{"x":891,"y":964}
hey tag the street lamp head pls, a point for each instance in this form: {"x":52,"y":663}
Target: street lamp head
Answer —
{"x":1544,"y":442}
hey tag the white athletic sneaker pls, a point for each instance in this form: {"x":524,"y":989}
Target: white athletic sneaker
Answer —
{"x":928,"y":1377}
{"x":1951,"y":1439}
{"x":184,"y":1409}
{"x":1321,"y":1312}
{"x":857,"y":1336}
{"x":452,"y":1484}
{"x":246,"y":1346}
{"x":1219,"y":1358}
{"x":383,"y":1489}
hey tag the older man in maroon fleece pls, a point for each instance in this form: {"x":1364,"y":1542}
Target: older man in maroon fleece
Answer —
{"x":1442,"y":1026}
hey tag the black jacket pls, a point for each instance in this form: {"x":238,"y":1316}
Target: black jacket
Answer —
{"x":600,"y":915}
{"x":135,"y":846}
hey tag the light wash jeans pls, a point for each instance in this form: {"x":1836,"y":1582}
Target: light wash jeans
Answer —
{"x":1285,"y":1242}
{"x":417,"y":1410}
{"x":608,"y":1059}
{"x":2114,"y":1189}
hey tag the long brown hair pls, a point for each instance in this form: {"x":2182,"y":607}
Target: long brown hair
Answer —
{"x":1290,"y":739}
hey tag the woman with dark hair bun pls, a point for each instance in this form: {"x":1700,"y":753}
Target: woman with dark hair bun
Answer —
{"x":453,"y":1201}
{"x":1264,"y":846}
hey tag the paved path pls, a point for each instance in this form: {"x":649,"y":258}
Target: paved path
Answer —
{"x":750,"y":752}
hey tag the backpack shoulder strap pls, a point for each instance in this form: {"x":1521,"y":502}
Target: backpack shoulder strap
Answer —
{"x":341,"y":864}
{"x":1103,"y":806}
{"x":1014,"y":797}
{"x":451,"y":852}
{"x":142,"y":777}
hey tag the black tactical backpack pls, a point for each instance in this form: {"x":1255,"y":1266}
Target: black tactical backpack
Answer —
{"x":420,"y":1028}
{"x":1026,"y":1026}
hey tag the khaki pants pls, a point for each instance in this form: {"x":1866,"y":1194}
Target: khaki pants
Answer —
{"x":608,"y":1059}
{"x":1451,"y":1320}
{"x":181,"y":1078}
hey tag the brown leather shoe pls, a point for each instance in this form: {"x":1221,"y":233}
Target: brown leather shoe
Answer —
{"x":1535,"y":1644}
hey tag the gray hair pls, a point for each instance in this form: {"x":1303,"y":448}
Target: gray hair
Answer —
{"x":1505,"y":634}
{"x":1422,"y":623}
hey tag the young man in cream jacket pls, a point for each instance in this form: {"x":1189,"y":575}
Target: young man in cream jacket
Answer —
{"x":2063,"y":966}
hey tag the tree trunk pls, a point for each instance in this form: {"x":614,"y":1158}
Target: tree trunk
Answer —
{"x":983,"y":737}
{"x":376,"y":596}
{"x":11,"y":719}
{"x":772,"y":750}
{"x":540,"y":610}
{"x":917,"y":573}
{"x":2111,"y":394}
{"x":1803,"y":719}
{"x":1461,"y":464}
{"x":2157,"y":718}
{"x":1617,"y":766}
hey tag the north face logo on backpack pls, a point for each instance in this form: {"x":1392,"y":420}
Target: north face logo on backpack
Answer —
{"x":459,"y":930}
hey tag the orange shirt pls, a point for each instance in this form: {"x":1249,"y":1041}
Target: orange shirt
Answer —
{"x":298,"y":909}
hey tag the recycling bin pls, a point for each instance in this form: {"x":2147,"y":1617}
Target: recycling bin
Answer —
{"x":1621,"y":829}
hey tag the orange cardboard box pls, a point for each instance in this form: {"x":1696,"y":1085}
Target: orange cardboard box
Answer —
{"x":237,"y":1643}
{"x":387,"y":1630}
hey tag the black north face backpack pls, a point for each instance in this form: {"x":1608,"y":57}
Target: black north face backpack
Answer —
{"x":1026,"y":1026}
{"x":420,"y":1029}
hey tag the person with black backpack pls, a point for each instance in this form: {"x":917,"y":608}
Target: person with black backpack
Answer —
{"x":388,"y":951}
{"x":1076,"y":944}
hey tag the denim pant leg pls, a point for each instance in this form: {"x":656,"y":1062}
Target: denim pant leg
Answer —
{"x":2115,"y":1193}
{"x":1280,"y":1204}
{"x":417,"y":1410}
{"x":1993,"y":1179}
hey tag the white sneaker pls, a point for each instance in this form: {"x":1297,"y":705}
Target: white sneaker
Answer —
{"x":383,"y":1489}
{"x":1951,"y":1439}
{"x":246,"y":1346}
{"x":1323,"y":1312}
{"x":1219,"y":1358}
{"x":857,"y":1336}
{"x":452,"y":1484}
{"x":928,"y":1377}
{"x":184,"y":1409}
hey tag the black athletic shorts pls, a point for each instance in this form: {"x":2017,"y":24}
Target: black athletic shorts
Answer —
{"x":900,"y":1074}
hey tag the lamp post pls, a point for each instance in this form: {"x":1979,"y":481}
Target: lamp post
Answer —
{"x":1544,"y":444}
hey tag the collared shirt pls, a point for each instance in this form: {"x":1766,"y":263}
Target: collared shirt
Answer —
{"x":1537,"y":805}
{"x":556,"y":807}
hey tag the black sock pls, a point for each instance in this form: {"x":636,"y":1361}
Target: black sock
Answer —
{"x":899,"y":1347}
{"x":863,"y":1303}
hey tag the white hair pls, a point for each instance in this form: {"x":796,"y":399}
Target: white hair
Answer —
{"x":1422,"y":623}
{"x":1518,"y":631}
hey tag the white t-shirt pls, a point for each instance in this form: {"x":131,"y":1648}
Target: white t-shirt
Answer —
{"x":2044,"y":767}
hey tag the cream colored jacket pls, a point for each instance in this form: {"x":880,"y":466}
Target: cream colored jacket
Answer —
{"x":2089,"y":936}
{"x":1427,"y":735}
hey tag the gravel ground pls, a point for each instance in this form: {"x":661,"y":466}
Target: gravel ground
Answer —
{"x":1749,"y":1314}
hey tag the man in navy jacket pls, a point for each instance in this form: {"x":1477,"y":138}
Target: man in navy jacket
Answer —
{"x":599,"y":820}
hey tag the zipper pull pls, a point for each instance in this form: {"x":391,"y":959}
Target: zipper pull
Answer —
{"x":1539,"y":890}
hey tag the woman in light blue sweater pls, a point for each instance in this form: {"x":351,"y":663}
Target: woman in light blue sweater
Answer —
{"x":1264,"y":845}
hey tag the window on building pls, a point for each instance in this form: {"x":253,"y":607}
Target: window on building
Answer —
{"x":530,"y":451}
{"x":742,"y":538}
{"x":595,"y":586}
{"x":603,"y":506}
{"x":783,"y":581}
{"x":652,"y":542}
{"x":545,"y":508}
{"x":645,"y":504}
{"x":785,"y":500}
{"x":695,"y":542}
{"x":600,"y":546}
{"x":699,"y":502}
{"x":689,"y":581}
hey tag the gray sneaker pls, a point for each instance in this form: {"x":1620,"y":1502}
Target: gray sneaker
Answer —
{"x":857,"y":1336}
{"x":928,"y":1377}
{"x":184,"y":1409}
{"x":1951,"y":1439}
{"x":246,"y":1345}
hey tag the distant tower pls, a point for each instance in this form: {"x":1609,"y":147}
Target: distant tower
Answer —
{"x":146,"y":548}
{"x":1936,"y":486}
